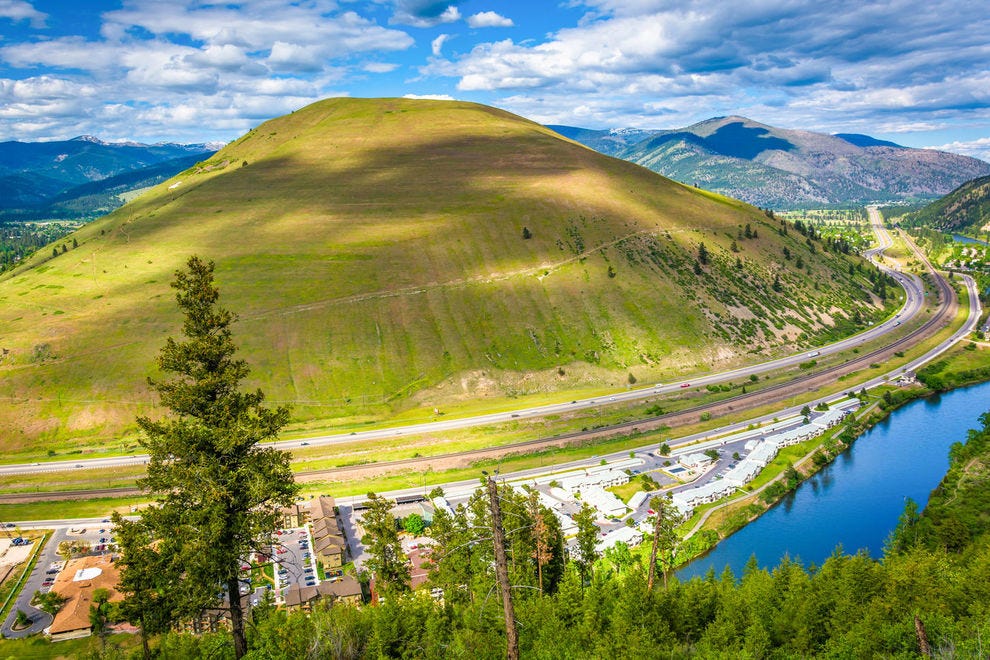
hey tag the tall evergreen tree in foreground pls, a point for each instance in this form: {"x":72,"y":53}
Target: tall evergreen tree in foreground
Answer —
{"x":217,"y":493}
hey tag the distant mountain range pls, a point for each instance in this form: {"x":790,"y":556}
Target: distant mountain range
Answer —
{"x":781,"y":168}
{"x":966,"y":210}
{"x":84,"y":176}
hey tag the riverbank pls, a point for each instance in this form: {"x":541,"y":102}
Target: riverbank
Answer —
{"x":964,"y":365}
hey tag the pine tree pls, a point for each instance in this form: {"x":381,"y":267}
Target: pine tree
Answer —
{"x":217,"y":492}
{"x":386,"y":562}
{"x":587,"y":540}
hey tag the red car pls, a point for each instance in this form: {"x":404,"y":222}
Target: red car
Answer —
{"x":686,"y":385}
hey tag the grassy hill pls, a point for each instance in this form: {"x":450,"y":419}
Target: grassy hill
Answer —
{"x":375,"y":252}
{"x":966,"y":209}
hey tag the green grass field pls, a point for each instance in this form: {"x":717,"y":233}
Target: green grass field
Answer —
{"x":374,"y":251}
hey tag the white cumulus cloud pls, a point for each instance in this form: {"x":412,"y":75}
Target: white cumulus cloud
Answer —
{"x":979,"y":148}
{"x":19,"y":10}
{"x":488,"y":19}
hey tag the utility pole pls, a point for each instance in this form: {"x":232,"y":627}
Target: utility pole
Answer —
{"x":502,"y":572}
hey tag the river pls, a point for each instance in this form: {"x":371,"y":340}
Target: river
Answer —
{"x":855,"y":502}
{"x":959,"y":238}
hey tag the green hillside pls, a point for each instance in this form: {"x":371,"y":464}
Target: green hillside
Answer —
{"x":375,"y":252}
{"x":966,"y":209}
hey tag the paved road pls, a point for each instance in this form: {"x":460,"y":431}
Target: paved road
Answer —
{"x":691,"y":443}
{"x":39,"y":619}
{"x":913,"y":303}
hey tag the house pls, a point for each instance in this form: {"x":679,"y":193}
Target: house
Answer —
{"x":345,"y":589}
{"x":628,"y":535}
{"x":329,"y":544}
{"x":830,"y":418}
{"x":294,"y":515}
{"x":694,"y":461}
{"x":706,"y":494}
{"x":440,"y":503}
{"x":77,"y":583}
{"x":567,"y":524}
{"x":606,"y":503}
{"x":683,"y":503}
{"x":637,"y":500}
{"x":322,"y":507}
{"x":763,"y":454}
{"x":329,"y":551}
{"x":744,"y":472}
{"x":794,"y":436}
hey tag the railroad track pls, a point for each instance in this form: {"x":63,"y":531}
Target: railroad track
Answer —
{"x":740,"y":402}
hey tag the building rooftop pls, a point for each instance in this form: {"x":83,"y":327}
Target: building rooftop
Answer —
{"x":76,"y":584}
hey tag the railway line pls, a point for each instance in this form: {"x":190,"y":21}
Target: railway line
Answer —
{"x":947,"y":308}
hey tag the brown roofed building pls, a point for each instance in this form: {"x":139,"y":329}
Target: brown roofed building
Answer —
{"x":323,"y":507}
{"x":294,"y":515}
{"x":329,"y":544}
{"x":329,"y":551}
{"x":76,"y":584}
{"x":345,"y":589}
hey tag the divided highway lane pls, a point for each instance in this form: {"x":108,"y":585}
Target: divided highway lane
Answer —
{"x":912,"y":285}
{"x":694,"y":442}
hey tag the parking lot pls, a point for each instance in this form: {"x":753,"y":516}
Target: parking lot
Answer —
{"x":97,"y":538}
{"x":293,"y":560}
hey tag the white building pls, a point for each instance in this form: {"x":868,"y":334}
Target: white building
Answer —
{"x":763,"y":454}
{"x":628,"y":535}
{"x":710,"y":492}
{"x":681,"y":502}
{"x":694,"y":461}
{"x":830,"y":418}
{"x":637,"y":500}
{"x":743,"y":473}
{"x":606,"y":503}
{"x":794,"y":436}
{"x":567,"y":524}
{"x":441,"y":504}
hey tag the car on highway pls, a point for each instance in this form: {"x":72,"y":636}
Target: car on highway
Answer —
{"x":685,"y":385}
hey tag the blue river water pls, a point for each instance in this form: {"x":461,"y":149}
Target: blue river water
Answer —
{"x":959,"y":238}
{"x":855,"y":502}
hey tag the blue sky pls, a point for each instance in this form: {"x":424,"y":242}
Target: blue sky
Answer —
{"x":197,"y":70}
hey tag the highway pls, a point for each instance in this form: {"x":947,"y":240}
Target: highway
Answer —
{"x":913,"y":304}
{"x":695,"y":442}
